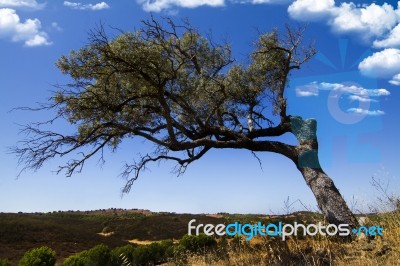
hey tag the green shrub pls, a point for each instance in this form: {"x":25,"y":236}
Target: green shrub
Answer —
{"x":76,"y":260}
{"x":198,"y":243}
{"x":4,"y":262}
{"x":168,"y":248}
{"x":43,"y":256}
{"x":124,"y":252}
{"x":142,"y":255}
{"x":98,"y":255}
{"x":154,"y":253}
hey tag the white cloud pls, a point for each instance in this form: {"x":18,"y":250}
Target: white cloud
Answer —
{"x":37,"y":40}
{"x":361,"y":99}
{"x":371,"y":20}
{"x":159,"y":5}
{"x":378,"y":92}
{"x":354,"y":92}
{"x":360,"y":111}
{"x":28,"y":32}
{"x":353,"y":89}
{"x":310,"y":10}
{"x":307,"y":90}
{"x":392,"y":40}
{"x":80,"y":6}
{"x":256,"y":2}
{"x":350,"y":92}
{"x":305,"y":93}
{"x":383,"y":64}
{"x":395,"y":80}
{"x":33,"y":4}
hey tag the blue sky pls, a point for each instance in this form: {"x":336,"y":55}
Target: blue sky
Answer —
{"x":351,"y":87}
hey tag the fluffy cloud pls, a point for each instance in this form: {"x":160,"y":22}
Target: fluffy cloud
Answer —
{"x":307,"y":90}
{"x":361,"y":99}
{"x":370,"y":20}
{"x":256,"y":2}
{"x":159,"y":5}
{"x":395,"y":80}
{"x":392,"y":40}
{"x":28,"y":32}
{"x":383,"y":64}
{"x":21,"y":3}
{"x":360,"y":111}
{"x":354,"y":92}
{"x":353,"y":89}
{"x":311,"y":10}
{"x":80,"y":6}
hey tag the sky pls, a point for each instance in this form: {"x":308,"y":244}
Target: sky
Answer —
{"x":351,"y":86}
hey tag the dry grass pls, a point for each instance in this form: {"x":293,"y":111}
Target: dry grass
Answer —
{"x":307,"y":251}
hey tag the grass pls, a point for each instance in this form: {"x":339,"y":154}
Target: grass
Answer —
{"x":308,"y":251}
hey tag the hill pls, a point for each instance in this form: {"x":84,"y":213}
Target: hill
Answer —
{"x":74,"y":231}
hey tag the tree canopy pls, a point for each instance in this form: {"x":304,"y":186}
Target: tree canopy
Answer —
{"x":174,"y":87}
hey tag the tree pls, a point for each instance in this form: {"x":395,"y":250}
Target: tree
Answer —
{"x":186,"y":94}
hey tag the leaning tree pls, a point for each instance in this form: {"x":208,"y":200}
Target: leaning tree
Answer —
{"x":186,"y":94}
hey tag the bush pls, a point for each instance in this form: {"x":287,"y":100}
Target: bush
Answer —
{"x":98,"y":255}
{"x":154,"y":253}
{"x":43,"y":256}
{"x":76,"y":260}
{"x":122,"y":253}
{"x":4,"y":262}
{"x":198,"y":243}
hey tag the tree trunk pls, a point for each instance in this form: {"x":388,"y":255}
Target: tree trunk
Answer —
{"x":329,"y":199}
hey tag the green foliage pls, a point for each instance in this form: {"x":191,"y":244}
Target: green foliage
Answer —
{"x":4,"y":262}
{"x":124,"y":252}
{"x":154,"y":253}
{"x":120,"y":79}
{"x":198,"y":243}
{"x":98,"y":255}
{"x":43,"y":256}
{"x":75,"y":260}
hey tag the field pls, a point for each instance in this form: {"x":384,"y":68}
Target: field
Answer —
{"x":70,"y":232}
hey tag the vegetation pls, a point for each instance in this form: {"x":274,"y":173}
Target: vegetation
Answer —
{"x":43,"y":256}
{"x":196,"y":244}
{"x":4,"y":262}
{"x":98,"y":255}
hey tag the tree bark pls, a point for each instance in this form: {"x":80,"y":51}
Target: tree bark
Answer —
{"x":329,"y":199}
